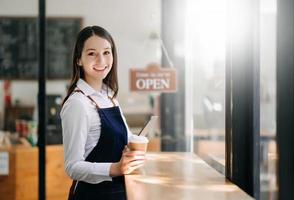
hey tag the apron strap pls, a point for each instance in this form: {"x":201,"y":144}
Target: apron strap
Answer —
{"x":89,"y":97}
{"x":111,"y":99}
{"x":78,"y":90}
{"x":72,"y":190}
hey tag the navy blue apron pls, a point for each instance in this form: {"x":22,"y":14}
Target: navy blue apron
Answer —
{"x":109,"y":148}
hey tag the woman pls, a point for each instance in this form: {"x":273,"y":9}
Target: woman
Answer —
{"x":95,"y":133}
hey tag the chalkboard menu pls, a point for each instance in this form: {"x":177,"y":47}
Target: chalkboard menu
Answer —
{"x":19,"y":47}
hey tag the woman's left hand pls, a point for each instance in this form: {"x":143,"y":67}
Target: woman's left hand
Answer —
{"x":129,"y":161}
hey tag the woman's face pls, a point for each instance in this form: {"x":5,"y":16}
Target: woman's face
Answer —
{"x":96,"y":58}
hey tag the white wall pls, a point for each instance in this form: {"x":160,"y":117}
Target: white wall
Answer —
{"x":130,"y":22}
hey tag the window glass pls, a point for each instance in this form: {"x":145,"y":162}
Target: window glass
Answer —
{"x":18,"y":99}
{"x":206,"y":58}
{"x":268,"y":156}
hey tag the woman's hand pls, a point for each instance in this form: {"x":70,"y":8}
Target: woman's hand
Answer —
{"x":130,"y":160}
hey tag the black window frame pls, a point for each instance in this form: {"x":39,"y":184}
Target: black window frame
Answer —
{"x":285,"y":98}
{"x":42,"y":100}
{"x":242,"y":97}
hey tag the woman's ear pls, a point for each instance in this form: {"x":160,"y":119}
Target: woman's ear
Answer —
{"x":79,"y":63}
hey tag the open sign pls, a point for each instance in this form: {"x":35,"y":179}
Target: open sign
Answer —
{"x":153,"y":78}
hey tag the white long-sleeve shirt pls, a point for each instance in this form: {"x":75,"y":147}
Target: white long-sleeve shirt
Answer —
{"x":81,"y":129}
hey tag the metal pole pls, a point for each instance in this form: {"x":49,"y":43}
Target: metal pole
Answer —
{"x":42,"y":101}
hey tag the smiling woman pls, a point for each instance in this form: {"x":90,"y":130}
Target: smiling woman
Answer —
{"x":96,"y":60}
{"x":95,"y":50}
{"x":95,"y":133}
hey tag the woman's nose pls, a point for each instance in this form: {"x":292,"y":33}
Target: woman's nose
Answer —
{"x":100,"y":59}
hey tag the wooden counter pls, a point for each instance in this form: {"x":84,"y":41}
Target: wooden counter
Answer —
{"x":180,"y":176}
{"x":22,"y":181}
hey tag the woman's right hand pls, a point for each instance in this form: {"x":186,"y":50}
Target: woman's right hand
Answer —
{"x":130,"y":160}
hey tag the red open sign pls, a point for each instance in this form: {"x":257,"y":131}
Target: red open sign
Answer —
{"x":153,"y":78}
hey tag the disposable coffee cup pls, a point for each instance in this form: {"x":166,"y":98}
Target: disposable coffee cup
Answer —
{"x":138,"y":143}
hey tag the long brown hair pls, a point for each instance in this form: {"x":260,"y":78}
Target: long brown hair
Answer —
{"x":111,"y":79}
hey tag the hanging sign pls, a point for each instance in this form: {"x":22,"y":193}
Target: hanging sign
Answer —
{"x":153,"y":78}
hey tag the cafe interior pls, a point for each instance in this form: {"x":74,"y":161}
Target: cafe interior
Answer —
{"x":220,"y":81}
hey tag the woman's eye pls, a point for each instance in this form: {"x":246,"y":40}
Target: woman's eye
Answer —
{"x":107,"y":52}
{"x":91,"y":54}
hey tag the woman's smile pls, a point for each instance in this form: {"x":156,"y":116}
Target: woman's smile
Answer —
{"x":100,"y":69}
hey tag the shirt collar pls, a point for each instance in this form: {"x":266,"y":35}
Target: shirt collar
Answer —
{"x":85,"y":87}
{"x":88,"y":90}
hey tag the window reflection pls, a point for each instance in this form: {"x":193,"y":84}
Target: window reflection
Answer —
{"x":268,"y":156}
{"x":206,"y":51}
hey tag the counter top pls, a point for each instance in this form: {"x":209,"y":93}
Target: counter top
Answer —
{"x":179,"y":176}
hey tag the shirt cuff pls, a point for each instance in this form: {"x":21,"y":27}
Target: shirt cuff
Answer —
{"x":102,"y":168}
